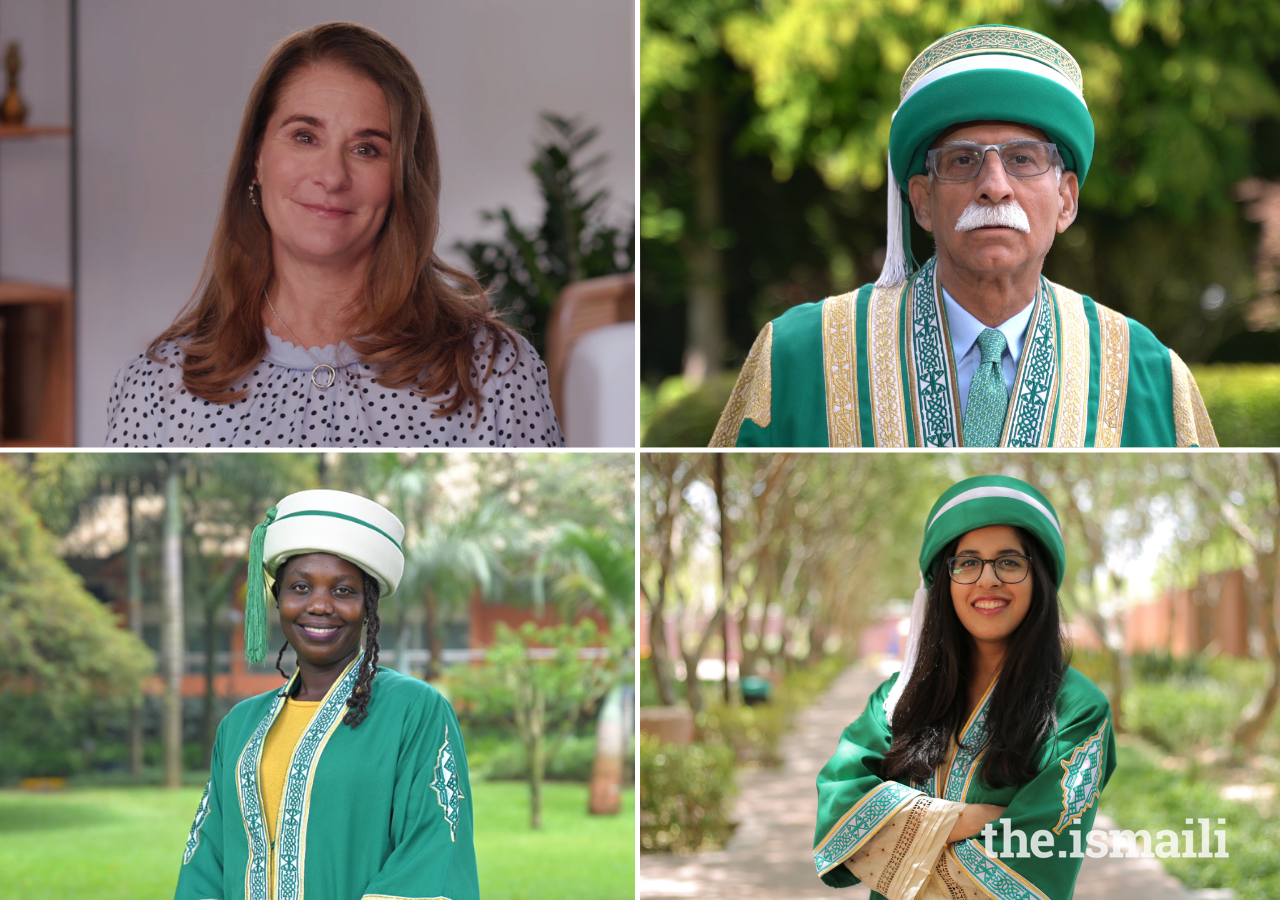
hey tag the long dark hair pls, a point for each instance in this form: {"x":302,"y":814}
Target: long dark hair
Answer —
{"x":934,"y":705}
{"x":358,"y":701}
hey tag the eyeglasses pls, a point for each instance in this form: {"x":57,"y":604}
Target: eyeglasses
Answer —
{"x":1010,"y":569}
{"x":1022,"y":159}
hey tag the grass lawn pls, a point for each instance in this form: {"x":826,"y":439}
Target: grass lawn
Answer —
{"x":126,"y":844}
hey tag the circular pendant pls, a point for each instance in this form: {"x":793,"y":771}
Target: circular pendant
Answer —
{"x":323,"y":382}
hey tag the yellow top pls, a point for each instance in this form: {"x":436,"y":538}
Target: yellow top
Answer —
{"x":277,"y":753}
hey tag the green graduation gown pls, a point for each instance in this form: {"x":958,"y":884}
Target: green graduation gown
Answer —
{"x":875,"y":368}
{"x":379,"y":811}
{"x":1074,"y":766}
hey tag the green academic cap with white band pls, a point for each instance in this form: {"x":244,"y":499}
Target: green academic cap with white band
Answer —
{"x":987,"y":72}
{"x":362,"y":532}
{"x":967,"y":506}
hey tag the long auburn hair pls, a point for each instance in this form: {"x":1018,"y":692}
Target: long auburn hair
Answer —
{"x":934,"y":705}
{"x":420,"y":317}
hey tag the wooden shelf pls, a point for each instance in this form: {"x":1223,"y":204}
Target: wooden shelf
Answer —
{"x":13,"y":293}
{"x":36,"y":347}
{"x":30,"y":131}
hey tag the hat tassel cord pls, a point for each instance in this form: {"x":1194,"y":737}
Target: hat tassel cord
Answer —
{"x":918,"y":605}
{"x":899,"y":261}
{"x":255,"y":599}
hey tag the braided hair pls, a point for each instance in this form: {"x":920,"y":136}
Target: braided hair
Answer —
{"x":358,"y":702}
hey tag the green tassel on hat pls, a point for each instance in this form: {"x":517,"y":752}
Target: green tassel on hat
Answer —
{"x":255,"y":599}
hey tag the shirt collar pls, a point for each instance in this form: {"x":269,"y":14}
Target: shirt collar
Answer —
{"x":965,"y":328}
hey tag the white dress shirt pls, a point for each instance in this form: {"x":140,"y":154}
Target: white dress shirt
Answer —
{"x":965,"y":329}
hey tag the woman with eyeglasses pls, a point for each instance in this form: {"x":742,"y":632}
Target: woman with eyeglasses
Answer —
{"x":985,"y":725}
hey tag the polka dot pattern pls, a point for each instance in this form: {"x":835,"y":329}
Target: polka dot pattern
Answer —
{"x":149,"y":407}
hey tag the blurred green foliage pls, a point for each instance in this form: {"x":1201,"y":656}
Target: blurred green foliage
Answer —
{"x":1173,"y":764}
{"x":1244,"y":403}
{"x":685,"y":795}
{"x":1183,"y":95}
{"x":61,"y":652}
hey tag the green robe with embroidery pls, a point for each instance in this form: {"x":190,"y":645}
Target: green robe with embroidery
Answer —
{"x":1074,"y":766}
{"x":875,"y":368}
{"x":381,"y":810}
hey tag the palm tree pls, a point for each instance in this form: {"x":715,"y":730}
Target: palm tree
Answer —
{"x":456,"y":552}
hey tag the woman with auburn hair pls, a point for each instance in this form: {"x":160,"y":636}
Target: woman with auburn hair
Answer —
{"x":324,"y":316}
{"x":986,"y":724}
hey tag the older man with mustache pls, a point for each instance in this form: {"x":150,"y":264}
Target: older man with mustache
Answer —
{"x":974,"y":348}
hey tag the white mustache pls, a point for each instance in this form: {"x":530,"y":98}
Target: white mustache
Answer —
{"x":1006,"y":215}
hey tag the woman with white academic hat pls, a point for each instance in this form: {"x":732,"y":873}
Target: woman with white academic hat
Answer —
{"x":351,"y":780}
{"x":986,"y":723}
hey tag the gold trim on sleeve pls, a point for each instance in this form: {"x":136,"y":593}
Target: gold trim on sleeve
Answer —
{"x":752,"y":394}
{"x":840,"y":367}
{"x":884,"y":366}
{"x":1073,"y":372}
{"x":1190,"y":418}
{"x":1113,"y":376}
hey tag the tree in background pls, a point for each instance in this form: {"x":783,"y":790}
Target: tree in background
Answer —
{"x":541,"y":681}
{"x":61,"y":652}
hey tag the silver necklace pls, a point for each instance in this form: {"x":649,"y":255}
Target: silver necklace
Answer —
{"x":327,"y":369}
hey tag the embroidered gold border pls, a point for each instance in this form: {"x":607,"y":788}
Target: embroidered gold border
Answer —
{"x":311,"y":777}
{"x":1001,"y":39}
{"x":272,"y":713}
{"x":1190,"y":418}
{"x":1066,"y":771}
{"x":973,"y":767}
{"x":1043,"y":308}
{"x":1113,"y":376}
{"x":905,"y":796}
{"x":752,"y":393}
{"x":884,"y":366}
{"x":1073,"y":373}
{"x":840,"y":368}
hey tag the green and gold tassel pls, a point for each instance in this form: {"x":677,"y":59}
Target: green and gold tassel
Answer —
{"x":255,"y":598}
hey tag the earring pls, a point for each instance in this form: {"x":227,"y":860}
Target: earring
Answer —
{"x":253,"y":196}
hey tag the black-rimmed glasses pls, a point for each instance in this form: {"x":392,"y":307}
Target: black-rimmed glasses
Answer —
{"x":1021,"y":159}
{"x":1010,"y":569}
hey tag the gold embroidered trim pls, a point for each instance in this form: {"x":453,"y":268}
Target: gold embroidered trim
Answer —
{"x":1002,"y":39}
{"x":1190,"y":418}
{"x":1073,"y":373}
{"x":840,"y":365}
{"x":884,"y":366}
{"x":1113,"y":376}
{"x":752,"y":393}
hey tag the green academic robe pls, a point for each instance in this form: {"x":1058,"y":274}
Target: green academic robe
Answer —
{"x":875,"y":368}
{"x":382,"y":810}
{"x":1074,"y":766}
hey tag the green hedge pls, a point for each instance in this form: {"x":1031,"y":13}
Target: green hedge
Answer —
{"x":1244,"y":403}
{"x":685,"y":795}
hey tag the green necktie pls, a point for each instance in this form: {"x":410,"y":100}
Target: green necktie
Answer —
{"x":988,"y":397}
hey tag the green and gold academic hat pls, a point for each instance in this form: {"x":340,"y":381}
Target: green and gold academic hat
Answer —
{"x":364,"y":533}
{"x":991,"y":500}
{"x":987,"y":72}
{"x":967,"y":506}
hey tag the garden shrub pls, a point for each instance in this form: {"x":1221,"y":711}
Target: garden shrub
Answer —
{"x":685,"y":794}
{"x":1243,"y":401}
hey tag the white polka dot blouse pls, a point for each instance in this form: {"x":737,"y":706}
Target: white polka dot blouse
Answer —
{"x":149,"y":407}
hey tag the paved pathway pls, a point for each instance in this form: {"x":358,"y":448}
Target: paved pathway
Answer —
{"x":770,"y":855}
